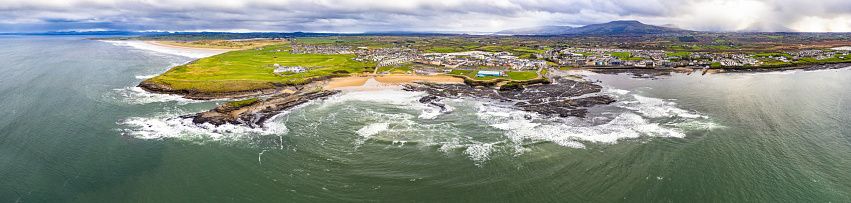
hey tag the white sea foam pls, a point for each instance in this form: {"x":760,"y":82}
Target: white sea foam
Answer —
{"x":656,"y":108}
{"x":136,"y":95}
{"x":432,"y":112}
{"x":573,"y":132}
{"x":143,"y":77}
{"x":192,"y":53}
{"x":372,"y":129}
{"x":479,"y":152}
{"x":632,"y":117}
{"x":173,"y":127}
{"x":624,"y":126}
{"x":401,"y":99}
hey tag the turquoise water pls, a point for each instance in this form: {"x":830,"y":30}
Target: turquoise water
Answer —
{"x":75,"y":130}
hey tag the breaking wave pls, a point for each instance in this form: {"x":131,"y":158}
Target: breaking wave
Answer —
{"x":136,"y":95}
{"x":173,"y":127}
{"x":473,"y":128}
{"x":634,"y":116}
{"x":143,"y":77}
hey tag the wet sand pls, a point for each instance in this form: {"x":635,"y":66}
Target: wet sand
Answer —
{"x":183,"y":47}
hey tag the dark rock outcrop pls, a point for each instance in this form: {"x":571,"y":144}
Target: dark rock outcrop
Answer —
{"x":555,"y":99}
{"x":162,"y":88}
{"x":432,"y":100}
{"x":256,"y":113}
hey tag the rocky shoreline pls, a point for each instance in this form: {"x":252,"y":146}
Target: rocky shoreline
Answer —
{"x":562,"y":97}
{"x":276,"y":88}
{"x":558,"y":96}
{"x":159,"y":88}
{"x":641,"y":72}
{"x":257,"y":112}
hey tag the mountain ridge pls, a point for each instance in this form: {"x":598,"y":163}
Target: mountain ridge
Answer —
{"x":613,"y":27}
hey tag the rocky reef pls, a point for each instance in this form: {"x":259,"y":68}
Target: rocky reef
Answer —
{"x":254,"y":114}
{"x":563,"y":97}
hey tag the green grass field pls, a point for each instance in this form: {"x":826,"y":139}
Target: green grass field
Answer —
{"x":774,"y":54}
{"x":511,"y":75}
{"x":522,"y":75}
{"x":385,"y":68}
{"x":620,"y":54}
{"x":242,"y":70}
{"x":486,"y":78}
{"x":682,"y":53}
{"x":472,"y":75}
{"x":401,"y":70}
{"x":242,"y":102}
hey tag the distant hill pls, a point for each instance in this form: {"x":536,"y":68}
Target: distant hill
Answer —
{"x":767,"y":27}
{"x":543,"y":30}
{"x":614,"y":27}
{"x":626,"y":27}
{"x":89,"y":33}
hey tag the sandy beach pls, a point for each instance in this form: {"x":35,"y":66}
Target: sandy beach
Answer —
{"x":183,"y":47}
{"x":363,"y":83}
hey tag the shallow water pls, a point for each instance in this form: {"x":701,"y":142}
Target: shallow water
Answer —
{"x":77,"y":130}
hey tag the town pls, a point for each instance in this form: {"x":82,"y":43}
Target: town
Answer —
{"x":414,"y":61}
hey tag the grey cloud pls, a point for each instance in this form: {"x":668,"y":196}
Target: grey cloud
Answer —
{"x":369,"y":15}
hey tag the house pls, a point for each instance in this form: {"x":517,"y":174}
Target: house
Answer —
{"x":295,"y":69}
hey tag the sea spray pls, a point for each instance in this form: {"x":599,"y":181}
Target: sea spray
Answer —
{"x":477,"y":128}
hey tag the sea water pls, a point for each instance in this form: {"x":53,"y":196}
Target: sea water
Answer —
{"x":77,"y":129}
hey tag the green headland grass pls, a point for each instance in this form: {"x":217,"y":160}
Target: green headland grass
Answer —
{"x":243,"y":70}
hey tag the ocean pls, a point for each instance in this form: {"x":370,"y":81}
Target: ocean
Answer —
{"x":76,"y":129}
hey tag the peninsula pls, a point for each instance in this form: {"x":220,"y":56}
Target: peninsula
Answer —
{"x":269,"y":75}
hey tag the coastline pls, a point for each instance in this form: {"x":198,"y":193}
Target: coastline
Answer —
{"x":642,"y":72}
{"x":350,"y":83}
{"x":258,"y":110}
{"x":156,"y":43}
{"x":357,"y":83}
{"x":563,"y":97}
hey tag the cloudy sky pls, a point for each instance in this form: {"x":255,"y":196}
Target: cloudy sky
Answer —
{"x":412,"y":15}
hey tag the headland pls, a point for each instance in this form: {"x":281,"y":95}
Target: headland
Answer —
{"x":268,"y":76}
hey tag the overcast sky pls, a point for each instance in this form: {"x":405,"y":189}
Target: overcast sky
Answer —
{"x":412,"y":15}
